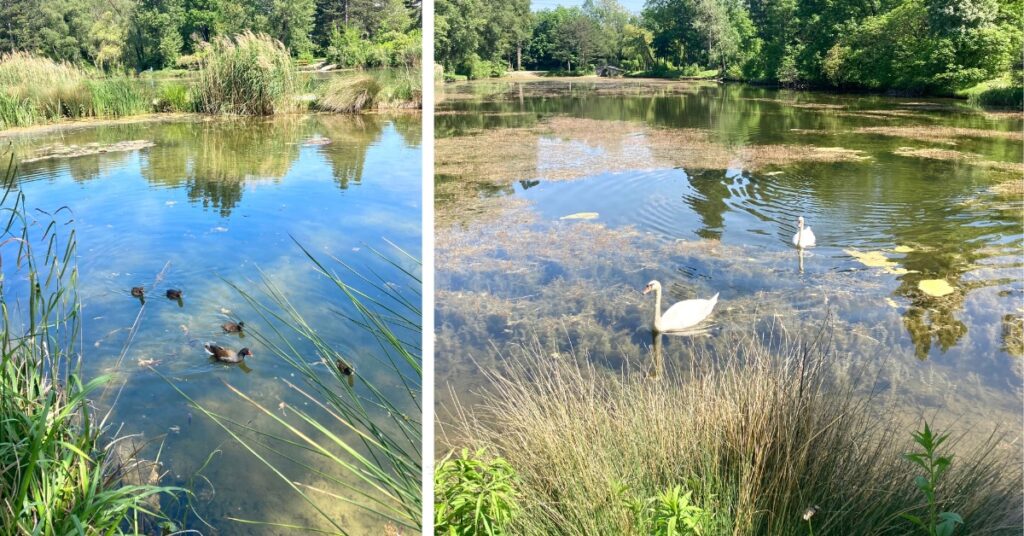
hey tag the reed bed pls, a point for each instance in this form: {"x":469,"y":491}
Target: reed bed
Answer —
{"x":249,"y":74}
{"x":757,"y":437}
{"x":372,"y":90}
{"x":59,"y":473}
{"x":36,"y":90}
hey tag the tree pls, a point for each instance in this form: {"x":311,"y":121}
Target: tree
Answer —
{"x":291,"y":22}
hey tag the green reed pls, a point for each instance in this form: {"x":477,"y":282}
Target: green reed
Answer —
{"x":56,"y":474}
{"x":767,"y":434}
{"x":368,"y":441}
{"x":249,"y":74}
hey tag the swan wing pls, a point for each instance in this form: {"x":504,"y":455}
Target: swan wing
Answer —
{"x":804,"y":238}
{"x":687,"y":313}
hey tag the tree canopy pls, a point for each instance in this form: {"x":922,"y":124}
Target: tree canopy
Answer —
{"x":935,"y":46}
{"x":144,"y":34}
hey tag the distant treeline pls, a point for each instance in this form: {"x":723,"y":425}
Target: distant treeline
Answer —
{"x":922,"y":46}
{"x":157,"y":34}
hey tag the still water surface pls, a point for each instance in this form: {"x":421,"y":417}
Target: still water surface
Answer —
{"x":212,"y":202}
{"x":581,"y":192}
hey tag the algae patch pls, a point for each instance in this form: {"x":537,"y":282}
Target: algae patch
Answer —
{"x":876,"y":259}
{"x":935,"y":287}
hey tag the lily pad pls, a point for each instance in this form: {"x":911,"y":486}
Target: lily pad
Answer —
{"x":935,"y":287}
{"x":580,"y":216}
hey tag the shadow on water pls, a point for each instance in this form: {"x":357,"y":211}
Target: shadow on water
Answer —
{"x":699,"y":186}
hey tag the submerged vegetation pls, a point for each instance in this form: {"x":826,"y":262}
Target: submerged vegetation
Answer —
{"x":747,"y":444}
{"x":366,"y":442}
{"x":63,"y":472}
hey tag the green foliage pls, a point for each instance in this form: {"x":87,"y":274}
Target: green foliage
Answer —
{"x":669,"y":513}
{"x":474,"y":494}
{"x":349,"y":49}
{"x":251,"y":74}
{"x":173,"y":97}
{"x":910,"y":46}
{"x":934,"y":523}
{"x":59,"y":476}
{"x":153,"y":34}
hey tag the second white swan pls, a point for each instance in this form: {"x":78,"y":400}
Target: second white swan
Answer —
{"x":804,"y":237}
{"x":682,"y":315}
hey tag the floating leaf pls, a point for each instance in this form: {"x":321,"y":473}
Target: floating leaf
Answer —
{"x":903,"y":249}
{"x":580,"y":216}
{"x":876,"y":259}
{"x":935,"y":287}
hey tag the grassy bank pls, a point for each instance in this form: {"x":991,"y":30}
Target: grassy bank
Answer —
{"x":60,"y":473}
{"x":250,"y":74}
{"x":1003,"y":92}
{"x":743,"y":446}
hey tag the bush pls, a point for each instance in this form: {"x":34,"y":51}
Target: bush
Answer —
{"x":172,"y":97}
{"x":474,"y":494}
{"x":250,"y":74}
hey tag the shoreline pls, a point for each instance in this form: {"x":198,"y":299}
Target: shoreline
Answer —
{"x":534,"y":77}
{"x":157,"y":117}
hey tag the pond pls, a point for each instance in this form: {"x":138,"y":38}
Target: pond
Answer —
{"x":199,"y":204}
{"x":558,"y":200}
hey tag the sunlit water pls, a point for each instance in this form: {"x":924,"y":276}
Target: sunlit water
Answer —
{"x":214,"y":202}
{"x":644,"y":209}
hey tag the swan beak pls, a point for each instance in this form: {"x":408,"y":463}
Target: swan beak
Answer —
{"x":647,"y":289}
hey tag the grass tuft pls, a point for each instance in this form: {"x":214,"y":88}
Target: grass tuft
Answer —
{"x":757,"y":439}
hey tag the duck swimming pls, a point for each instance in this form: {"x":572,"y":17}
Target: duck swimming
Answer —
{"x":226,"y":355}
{"x":173,"y":294}
{"x":347,"y":370}
{"x":138,"y":292}
{"x":231,"y":327}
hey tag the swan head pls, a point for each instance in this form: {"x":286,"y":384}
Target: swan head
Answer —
{"x":800,"y":222}
{"x":652,"y":286}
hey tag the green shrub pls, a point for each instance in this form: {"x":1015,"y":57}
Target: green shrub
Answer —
{"x":250,"y":74}
{"x":173,"y":97}
{"x":934,"y":522}
{"x":474,"y":494}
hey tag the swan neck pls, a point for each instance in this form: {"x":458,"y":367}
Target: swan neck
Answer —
{"x":657,"y":309}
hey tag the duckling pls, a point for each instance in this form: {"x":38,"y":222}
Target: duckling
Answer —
{"x":226,"y":355}
{"x":173,"y":294}
{"x":231,"y":327}
{"x":138,"y":292}
{"x":347,"y":371}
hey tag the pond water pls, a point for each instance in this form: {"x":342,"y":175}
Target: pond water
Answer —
{"x":558,"y":200}
{"x":210,"y":202}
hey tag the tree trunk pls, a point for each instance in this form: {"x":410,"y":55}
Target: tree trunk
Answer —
{"x":519,"y":56}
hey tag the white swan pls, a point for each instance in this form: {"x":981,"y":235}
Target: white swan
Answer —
{"x":680,"y":316}
{"x":804,"y":237}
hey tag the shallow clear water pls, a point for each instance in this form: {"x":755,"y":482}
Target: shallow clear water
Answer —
{"x":668,"y":183}
{"x":213,"y":202}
